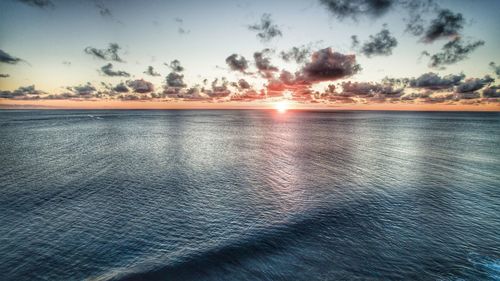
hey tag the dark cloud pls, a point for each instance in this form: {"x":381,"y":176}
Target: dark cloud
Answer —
{"x":473,"y":84}
{"x":175,"y":66}
{"x":492,"y":92}
{"x":380,"y":44}
{"x":237,"y":63}
{"x":38,"y":3}
{"x":109,"y":54}
{"x":297,"y":54}
{"x":243,"y":84}
{"x":433,"y":81}
{"x":121,"y":88}
{"x":4,"y":75}
{"x":219,"y":88}
{"x":141,"y":86}
{"x":263,"y":63}
{"x":327,"y":65}
{"x":367,"y":89}
{"x":151,"y":72}
{"x":6,"y":58}
{"x":453,"y":51}
{"x":83,"y":90}
{"x":175,"y":80}
{"x":266,"y":30}
{"x":108,"y":70}
{"x":446,"y":25}
{"x":496,"y":68}
{"x":354,"y":8}
{"x":27,"y":92}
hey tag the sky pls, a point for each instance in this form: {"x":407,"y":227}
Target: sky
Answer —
{"x":359,"y":54}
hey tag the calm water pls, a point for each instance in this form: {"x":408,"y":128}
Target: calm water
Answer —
{"x":249,"y":195}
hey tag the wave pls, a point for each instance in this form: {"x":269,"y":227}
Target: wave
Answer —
{"x":258,"y":245}
{"x":486,"y":264}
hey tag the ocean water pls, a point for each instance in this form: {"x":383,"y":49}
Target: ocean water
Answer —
{"x":249,"y":195}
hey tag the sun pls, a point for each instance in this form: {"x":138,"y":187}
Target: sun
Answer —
{"x":281,"y":106}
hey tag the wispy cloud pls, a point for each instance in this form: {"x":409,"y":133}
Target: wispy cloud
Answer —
{"x":109,"y":54}
{"x":266,"y":29}
{"x":38,"y":3}
{"x":108,"y":71}
{"x":6,"y":58}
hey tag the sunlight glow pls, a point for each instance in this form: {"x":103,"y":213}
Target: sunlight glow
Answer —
{"x":281,"y":106}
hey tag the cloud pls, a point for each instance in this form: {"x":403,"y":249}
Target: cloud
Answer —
{"x":6,"y":58}
{"x":181,"y":30}
{"x":266,"y":30}
{"x":83,"y":90}
{"x":368,"y":89}
{"x":194,"y":93}
{"x":433,"y":81}
{"x":473,"y":84}
{"x":380,"y":44}
{"x":466,"y":96}
{"x":237,"y":63}
{"x":354,"y":42}
{"x":66,"y":63}
{"x":4,"y":75}
{"x":175,"y":80}
{"x":103,"y":10}
{"x":175,"y":65}
{"x":121,"y":88}
{"x":141,"y":86}
{"x":38,"y":3}
{"x":415,"y":26}
{"x":243,"y":84}
{"x":327,"y":65}
{"x":219,"y":88}
{"x":263,"y":63}
{"x":62,"y":96}
{"x":354,"y":8}
{"x":496,"y":68}
{"x":492,"y":92}
{"x":414,"y":96}
{"x":453,"y":51}
{"x":108,"y":70}
{"x":109,"y":54}
{"x":446,"y":25}
{"x":151,"y":72}
{"x":297,"y":54}
{"x":27,"y":92}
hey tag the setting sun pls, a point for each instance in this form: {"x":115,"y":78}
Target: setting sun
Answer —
{"x":281,"y":106}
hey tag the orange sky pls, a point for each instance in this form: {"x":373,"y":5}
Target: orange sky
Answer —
{"x":117,"y":104}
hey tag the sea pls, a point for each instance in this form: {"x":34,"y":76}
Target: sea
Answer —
{"x":249,"y":195}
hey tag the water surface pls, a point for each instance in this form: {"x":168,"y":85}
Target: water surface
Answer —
{"x":249,"y":195}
